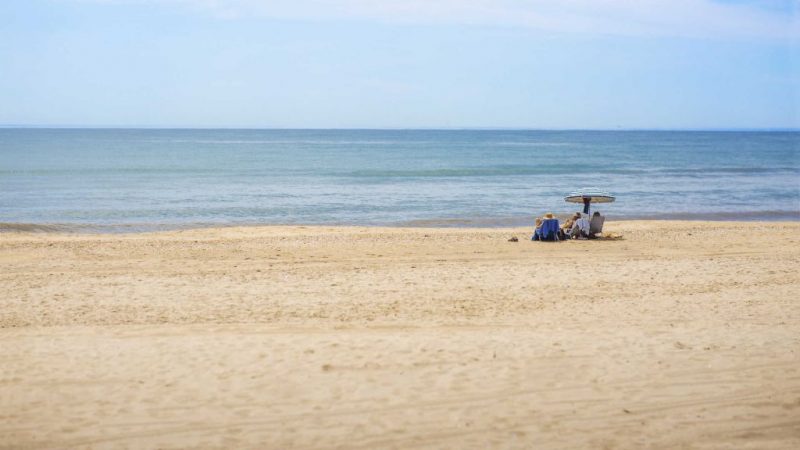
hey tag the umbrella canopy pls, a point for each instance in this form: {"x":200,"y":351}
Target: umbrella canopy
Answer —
{"x":588,"y":196}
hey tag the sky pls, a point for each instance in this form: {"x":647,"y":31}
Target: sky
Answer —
{"x":532,"y":64}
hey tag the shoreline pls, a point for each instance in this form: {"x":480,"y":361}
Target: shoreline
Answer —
{"x":444,"y":223}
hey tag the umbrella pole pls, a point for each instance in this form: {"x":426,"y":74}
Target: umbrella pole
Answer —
{"x":586,"y":203}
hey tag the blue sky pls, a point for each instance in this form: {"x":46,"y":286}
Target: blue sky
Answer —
{"x":438,"y":63}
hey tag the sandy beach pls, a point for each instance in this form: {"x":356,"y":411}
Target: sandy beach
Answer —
{"x":678,"y":335}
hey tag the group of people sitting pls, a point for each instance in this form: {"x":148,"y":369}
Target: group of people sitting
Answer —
{"x":576,"y":227}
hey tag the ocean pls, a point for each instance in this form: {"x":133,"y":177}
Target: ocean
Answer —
{"x":148,"y":179}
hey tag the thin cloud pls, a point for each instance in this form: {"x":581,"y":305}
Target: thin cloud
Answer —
{"x":682,"y":18}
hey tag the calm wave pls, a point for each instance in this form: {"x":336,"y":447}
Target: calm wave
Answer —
{"x":117,"y":180}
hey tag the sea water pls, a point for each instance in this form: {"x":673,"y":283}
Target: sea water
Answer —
{"x":139,"y":179}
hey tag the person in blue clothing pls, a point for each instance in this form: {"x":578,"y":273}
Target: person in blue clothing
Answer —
{"x":548,"y":230}
{"x":537,"y":230}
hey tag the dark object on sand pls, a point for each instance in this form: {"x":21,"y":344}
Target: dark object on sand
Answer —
{"x":513,"y":239}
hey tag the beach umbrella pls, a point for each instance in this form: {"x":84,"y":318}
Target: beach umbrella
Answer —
{"x":588,"y":196}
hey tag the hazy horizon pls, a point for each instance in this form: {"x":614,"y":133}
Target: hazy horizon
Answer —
{"x":378,"y":128}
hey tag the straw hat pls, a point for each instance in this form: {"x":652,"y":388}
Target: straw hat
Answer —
{"x":548,"y":216}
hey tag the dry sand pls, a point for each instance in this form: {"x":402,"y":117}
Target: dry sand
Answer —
{"x":681,"y":335}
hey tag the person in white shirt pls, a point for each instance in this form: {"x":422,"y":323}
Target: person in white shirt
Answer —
{"x":580,"y":227}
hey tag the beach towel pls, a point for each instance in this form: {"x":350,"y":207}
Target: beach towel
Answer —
{"x":549,"y":230}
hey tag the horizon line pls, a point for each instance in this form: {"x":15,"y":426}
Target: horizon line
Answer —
{"x":476,"y":128}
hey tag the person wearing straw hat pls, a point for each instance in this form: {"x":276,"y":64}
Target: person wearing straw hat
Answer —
{"x":548,"y":231}
{"x":537,"y":229}
{"x":566,"y":228}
